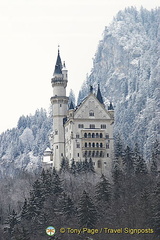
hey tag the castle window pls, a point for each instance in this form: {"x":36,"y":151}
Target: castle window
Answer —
{"x":93,"y":153}
{"x":60,"y":105}
{"x":107,"y":136}
{"x":85,"y":144}
{"x":107,"y":146}
{"x":85,"y":135}
{"x":93,"y":144}
{"x":56,"y":132}
{"x":93,"y":135}
{"x":89,"y":144}
{"x":107,"y":154}
{"x":97,"y":153}
{"x":97,"y":135}
{"x":57,"y":147}
{"x":101,"y":145}
{"x":89,"y":154}
{"x":61,"y":154}
{"x":77,"y":154}
{"x":101,"y":154}
{"x":78,"y":145}
{"x":97,"y":144}
{"x":91,"y":113}
{"x":89,"y":135}
{"x":77,"y":135}
{"x":101,"y":135}
{"x":80,"y":126}
{"x":92,"y":126}
{"x":99,"y":164}
{"x":103,"y":126}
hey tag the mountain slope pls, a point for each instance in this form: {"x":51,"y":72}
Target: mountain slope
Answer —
{"x":127,"y":65}
{"x":21,"y":148}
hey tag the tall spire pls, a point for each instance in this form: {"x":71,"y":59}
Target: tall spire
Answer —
{"x":58,"y":66}
{"x":99,"y":95}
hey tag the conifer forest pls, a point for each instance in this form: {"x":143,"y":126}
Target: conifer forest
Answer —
{"x":76,"y":198}
{"x":79,"y":203}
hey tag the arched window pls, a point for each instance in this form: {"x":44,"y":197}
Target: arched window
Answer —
{"x":89,"y":135}
{"x":93,"y":144}
{"x":93,"y":135}
{"x":85,"y":154}
{"x":89,"y":154}
{"x":85,"y":144}
{"x":101,"y":154}
{"x":91,"y":113}
{"x":107,"y":146}
{"x":85,"y":135}
{"x":97,"y":144}
{"x":107,"y":136}
{"x":97,"y":153}
{"x":101,"y":145}
{"x":93,"y":153}
{"x":89,"y":144}
{"x":99,"y":164}
{"x":101,"y":135}
{"x":97,"y":135}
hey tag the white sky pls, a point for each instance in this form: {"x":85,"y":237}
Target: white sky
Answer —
{"x":31,"y":30}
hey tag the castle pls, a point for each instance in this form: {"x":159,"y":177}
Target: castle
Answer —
{"x":85,"y":131}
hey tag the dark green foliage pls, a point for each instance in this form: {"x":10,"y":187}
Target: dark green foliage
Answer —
{"x":103,"y":190}
{"x":90,"y":166}
{"x":73,"y":168}
{"x":118,"y":179}
{"x":67,"y":206}
{"x":64,"y":165}
{"x":56,"y":184}
{"x":128,"y":160}
{"x":87,"y":213}
{"x":156,"y":209}
{"x":118,"y":147}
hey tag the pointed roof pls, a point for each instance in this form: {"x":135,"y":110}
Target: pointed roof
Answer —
{"x":110,"y":107}
{"x":71,"y":106}
{"x":99,"y":95}
{"x":91,"y":89}
{"x":58,"y":66}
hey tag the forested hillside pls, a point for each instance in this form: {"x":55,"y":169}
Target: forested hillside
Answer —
{"x":21,"y":148}
{"x":127,"y":66}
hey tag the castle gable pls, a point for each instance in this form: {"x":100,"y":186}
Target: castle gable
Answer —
{"x":92,"y":108}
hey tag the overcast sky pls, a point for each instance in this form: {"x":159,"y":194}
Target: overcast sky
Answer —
{"x":30,"y":32}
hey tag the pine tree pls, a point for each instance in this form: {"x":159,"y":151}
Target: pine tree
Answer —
{"x":103,"y":190}
{"x":156,"y":209}
{"x":67,"y":206}
{"x":128,"y":161}
{"x":90,"y":166}
{"x":24,"y":209}
{"x":21,"y":234}
{"x":118,"y":147}
{"x":155,"y":158}
{"x":87,"y":213}
{"x":73,"y":168}
{"x":118,"y":180}
{"x":85,"y":165}
{"x":12,"y":221}
{"x":64,"y":165}
{"x":56,"y":184}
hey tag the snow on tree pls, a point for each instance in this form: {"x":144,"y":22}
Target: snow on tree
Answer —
{"x":87,"y":213}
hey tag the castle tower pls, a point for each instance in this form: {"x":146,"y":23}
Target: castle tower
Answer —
{"x":59,"y":103}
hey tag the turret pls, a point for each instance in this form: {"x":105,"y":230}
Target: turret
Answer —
{"x":59,"y":103}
